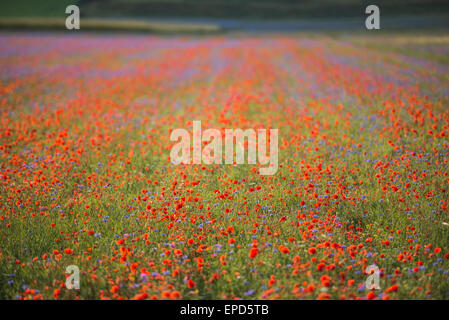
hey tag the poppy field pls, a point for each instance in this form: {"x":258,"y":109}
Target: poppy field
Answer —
{"x":86,"y":178}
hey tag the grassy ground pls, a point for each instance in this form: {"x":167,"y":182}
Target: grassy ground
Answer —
{"x":28,"y":8}
{"x":86,"y":178}
{"x":252,"y":9}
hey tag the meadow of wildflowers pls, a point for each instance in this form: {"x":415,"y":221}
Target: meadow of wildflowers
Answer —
{"x":86,"y":177}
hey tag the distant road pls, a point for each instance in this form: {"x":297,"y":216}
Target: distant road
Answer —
{"x":323,"y":24}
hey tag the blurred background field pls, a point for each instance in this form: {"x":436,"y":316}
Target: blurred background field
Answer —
{"x":225,"y":15}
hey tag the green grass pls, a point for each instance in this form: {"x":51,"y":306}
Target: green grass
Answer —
{"x":30,"y":8}
{"x":87,"y":24}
